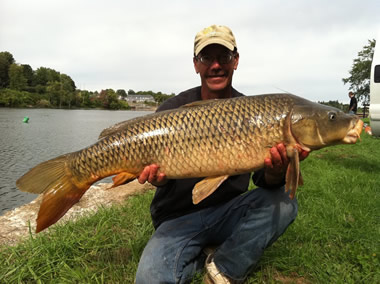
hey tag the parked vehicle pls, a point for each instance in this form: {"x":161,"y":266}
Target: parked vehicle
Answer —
{"x":374,"y":108}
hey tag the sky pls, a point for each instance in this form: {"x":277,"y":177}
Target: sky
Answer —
{"x":300,"y":46}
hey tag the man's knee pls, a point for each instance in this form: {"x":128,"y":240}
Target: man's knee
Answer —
{"x":281,"y":208}
{"x":153,"y":264}
{"x":285,"y":209}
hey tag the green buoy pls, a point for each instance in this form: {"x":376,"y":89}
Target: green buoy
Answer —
{"x":26,"y":119}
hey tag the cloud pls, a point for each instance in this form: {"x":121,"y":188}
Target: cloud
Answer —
{"x":300,"y":46}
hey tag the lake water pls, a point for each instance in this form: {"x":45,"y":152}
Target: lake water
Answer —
{"x":48,"y":134}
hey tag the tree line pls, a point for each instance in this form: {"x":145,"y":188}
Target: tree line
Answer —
{"x":21,"y":86}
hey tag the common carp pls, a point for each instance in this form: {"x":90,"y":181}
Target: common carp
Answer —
{"x":212,"y":139}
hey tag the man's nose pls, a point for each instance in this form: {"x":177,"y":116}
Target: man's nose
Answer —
{"x":215,"y":64}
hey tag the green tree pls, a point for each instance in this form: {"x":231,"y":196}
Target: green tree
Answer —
{"x":6,"y":60}
{"x":108,"y":98}
{"x":68,"y":90}
{"x":121,"y":93}
{"x":44,"y":75}
{"x":41,"y":76}
{"x":335,"y":104}
{"x":55,"y":93}
{"x":360,"y":72}
{"x":84,"y":98}
{"x":17,"y":81}
{"x":28,"y":73}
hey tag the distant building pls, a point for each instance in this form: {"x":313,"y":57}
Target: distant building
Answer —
{"x":140,"y":98}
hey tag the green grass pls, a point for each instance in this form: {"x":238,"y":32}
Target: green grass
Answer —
{"x":335,"y":238}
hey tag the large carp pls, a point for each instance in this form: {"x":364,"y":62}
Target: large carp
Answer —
{"x":212,"y":139}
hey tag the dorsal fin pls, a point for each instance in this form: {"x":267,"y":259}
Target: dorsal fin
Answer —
{"x":118,"y":127}
{"x":200,"y":103}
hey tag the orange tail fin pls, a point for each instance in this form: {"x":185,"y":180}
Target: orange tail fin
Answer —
{"x":52,"y":178}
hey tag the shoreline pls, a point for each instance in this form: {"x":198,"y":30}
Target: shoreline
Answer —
{"x":133,"y":108}
{"x":17,"y":224}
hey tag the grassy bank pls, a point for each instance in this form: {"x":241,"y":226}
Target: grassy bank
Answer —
{"x":335,"y":238}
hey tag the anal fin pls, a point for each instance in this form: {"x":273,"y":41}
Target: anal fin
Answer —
{"x":122,"y":178}
{"x":206,"y":187}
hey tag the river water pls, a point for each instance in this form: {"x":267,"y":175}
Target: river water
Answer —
{"x":49,"y":133}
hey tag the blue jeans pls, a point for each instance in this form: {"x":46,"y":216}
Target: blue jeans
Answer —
{"x":241,"y":229}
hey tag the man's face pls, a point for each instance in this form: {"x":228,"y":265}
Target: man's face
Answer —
{"x":216,"y":75}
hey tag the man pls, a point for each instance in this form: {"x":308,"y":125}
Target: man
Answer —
{"x":238,"y":224}
{"x":353,"y":103}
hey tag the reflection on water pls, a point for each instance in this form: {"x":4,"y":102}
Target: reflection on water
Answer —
{"x":48,"y":134}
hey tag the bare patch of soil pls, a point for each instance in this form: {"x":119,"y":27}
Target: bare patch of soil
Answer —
{"x":293,"y":279}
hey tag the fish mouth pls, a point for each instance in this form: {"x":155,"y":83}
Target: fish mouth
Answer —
{"x":354,"y":133}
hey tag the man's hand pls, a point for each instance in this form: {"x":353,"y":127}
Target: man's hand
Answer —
{"x":149,"y":174}
{"x":276,"y":166}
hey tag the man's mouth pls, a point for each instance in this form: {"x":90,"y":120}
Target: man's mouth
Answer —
{"x":216,"y":76}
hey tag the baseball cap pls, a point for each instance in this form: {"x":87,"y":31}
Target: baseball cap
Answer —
{"x":214,"y":34}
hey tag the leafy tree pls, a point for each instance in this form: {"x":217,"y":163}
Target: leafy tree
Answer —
{"x":55,"y":93}
{"x":17,"y":81}
{"x":68,"y":83}
{"x":84,"y":98}
{"x":108,"y":98}
{"x":335,"y":104}
{"x":41,"y":76}
{"x":360,"y":72}
{"x":28,"y":73}
{"x":131,"y":92}
{"x":14,"y":98}
{"x":44,"y":75}
{"x":68,"y":89}
{"x":6,"y":60}
{"x":121,"y":93}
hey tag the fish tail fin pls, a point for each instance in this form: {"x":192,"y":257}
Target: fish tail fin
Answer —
{"x":54,"y":179}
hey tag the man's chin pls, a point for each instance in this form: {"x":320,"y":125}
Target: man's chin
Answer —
{"x":217,"y":84}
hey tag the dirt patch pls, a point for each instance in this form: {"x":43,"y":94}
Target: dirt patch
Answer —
{"x":16,"y":224}
{"x":293,"y":279}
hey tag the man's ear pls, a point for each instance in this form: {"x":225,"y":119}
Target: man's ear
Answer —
{"x":236,"y":61}
{"x":195,"y":61}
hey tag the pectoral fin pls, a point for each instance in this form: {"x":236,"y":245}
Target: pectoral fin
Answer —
{"x":122,"y":178}
{"x":300,"y":181}
{"x":293,"y":175}
{"x":206,"y":187}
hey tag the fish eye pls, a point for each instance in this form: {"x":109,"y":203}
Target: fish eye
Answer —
{"x":332,"y":116}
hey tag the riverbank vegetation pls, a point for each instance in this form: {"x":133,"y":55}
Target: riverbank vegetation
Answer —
{"x":333,"y":240}
{"x":21,"y":86}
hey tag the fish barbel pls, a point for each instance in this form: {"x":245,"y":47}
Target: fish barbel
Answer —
{"x":212,"y":139}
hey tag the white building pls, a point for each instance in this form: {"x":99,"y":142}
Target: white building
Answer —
{"x":140,"y":98}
